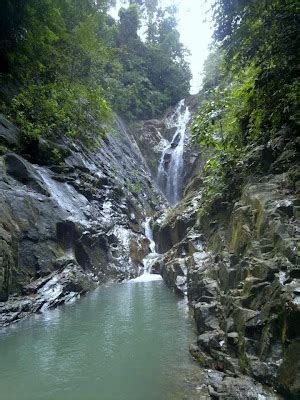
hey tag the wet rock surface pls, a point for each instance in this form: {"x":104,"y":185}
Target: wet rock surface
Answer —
{"x":153,"y":136}
{"x":240,"y":269}
{"x":59,"y":287}
{"x":213,"y":384}
{"x":67,"y":227}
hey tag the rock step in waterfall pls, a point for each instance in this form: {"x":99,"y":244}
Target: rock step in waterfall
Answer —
{"x":150,"y":259}
{"x":169,"y":179}
{"x":170,"y":169}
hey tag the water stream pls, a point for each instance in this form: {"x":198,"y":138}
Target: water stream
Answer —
{"x":149,"y":235}
{"x":125,"y":341}
{"x":170,"y":169}
{"x":122,"y":342}
{"x":150,"y":259}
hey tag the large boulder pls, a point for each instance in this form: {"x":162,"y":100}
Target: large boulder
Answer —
{"x":21,"y":170}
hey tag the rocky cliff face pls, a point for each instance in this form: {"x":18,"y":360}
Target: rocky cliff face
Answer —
{"x":239,"y":266}
{"x":157,"y":139}
{"x":70,"y":225}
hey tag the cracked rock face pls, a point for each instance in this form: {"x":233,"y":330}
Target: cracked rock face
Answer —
{"x":67,"y":227}
{"x":153,"y":136}
{"x":241,"y":272}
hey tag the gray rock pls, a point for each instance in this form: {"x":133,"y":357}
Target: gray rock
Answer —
{"x":243,"y":280}
{"x":8,"y":132}
{"x":20,"y":169}
{"x":66,"y":228}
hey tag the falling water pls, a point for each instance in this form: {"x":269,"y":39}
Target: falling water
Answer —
{"x":150,"y":258}
{"x":170,"y":169}
{"x":149,"y":235}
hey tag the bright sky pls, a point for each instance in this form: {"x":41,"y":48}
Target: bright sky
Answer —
{"x":195,"y":28}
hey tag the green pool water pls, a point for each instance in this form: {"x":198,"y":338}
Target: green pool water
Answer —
{"x":122,"y":342}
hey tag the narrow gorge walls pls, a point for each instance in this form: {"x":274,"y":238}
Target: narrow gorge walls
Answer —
{"x":239,"y":266}
{"x":68,"y":226}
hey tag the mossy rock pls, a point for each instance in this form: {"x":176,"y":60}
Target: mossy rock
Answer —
{"x":6,"y":270}
{"x":289,"y":371}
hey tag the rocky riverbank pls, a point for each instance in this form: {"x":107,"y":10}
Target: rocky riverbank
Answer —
{"x":238,"y":263}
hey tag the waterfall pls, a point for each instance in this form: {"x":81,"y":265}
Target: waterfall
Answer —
{"x":170,"y":169}
{"x":150,"y":259}
{"x":149,"y":235}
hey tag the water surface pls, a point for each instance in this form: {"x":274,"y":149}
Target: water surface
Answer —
{"x":121,"y":342}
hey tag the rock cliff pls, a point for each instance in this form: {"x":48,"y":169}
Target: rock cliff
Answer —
{"x":157,"y":139}
{"x":70,"y":218}
{"x":238,"y":263}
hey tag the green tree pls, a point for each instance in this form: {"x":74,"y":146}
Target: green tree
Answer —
{"x":73,"y":54}
{"x":266,"y":35}
{"x":257,"y":73}
{"x":250,"y":88}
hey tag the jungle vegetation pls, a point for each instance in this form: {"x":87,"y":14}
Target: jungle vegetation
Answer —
{"x":70,"y":64}
{"x":251,"y":87}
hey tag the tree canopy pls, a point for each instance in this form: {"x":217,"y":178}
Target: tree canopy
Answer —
{"x":252,"y":77}
{"x":251,"y":86}
{"x":73,"y":63}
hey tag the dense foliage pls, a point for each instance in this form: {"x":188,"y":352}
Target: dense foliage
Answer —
{"x":71,"y":63}
{"x":251,"y":83}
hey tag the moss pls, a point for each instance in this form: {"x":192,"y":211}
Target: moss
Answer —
{"x":198,"y":357}
{"x":265,"y":340}
{"x":6,"y":270}
{"x":283,"y":326}
{"x":259,"y":217}
{"x":173,"y":213}
{"x":289,"y":371}
{"x":243,"y":359}
{"x":3,"y":149}
{"x":135,"y":187}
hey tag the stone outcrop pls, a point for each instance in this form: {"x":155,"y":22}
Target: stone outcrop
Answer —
{"x":152,"y":136}
{"x":240,"y":267}
{"x":72,"y":224}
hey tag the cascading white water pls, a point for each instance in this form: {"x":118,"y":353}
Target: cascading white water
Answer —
{"x":170,"y":169}
{"x":149,"y":259}
{"x":149,"y":235}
